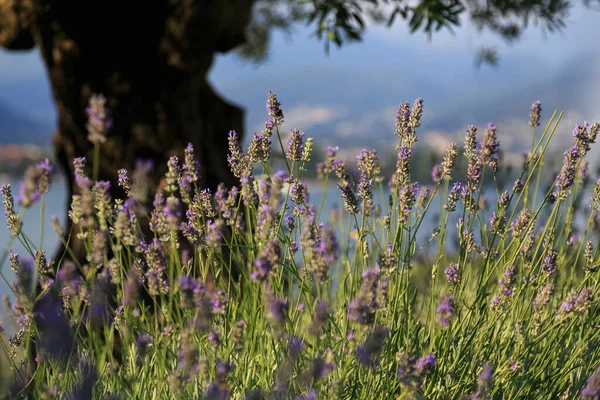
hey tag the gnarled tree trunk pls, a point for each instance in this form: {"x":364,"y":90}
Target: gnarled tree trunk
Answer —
{"x":150,"y":59}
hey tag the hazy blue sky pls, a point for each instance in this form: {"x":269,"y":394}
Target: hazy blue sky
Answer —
{"x":354,"y":92}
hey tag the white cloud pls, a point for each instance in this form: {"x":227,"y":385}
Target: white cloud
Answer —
{"x":439,"y":140}
{"x":304,"y":117}
{"x":366,"y":122}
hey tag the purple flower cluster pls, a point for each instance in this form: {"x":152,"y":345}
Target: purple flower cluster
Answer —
{"x":521,"y":224}
{"x":534,"y":116}
{"x":402,"y":173}
{"x":348,"y":189}
{"x":408,"y":120}
{"x":13,"y":220}
{"x":591,"y":391}
{"x":577,"y":302}
{"x":320,"y":318}
{"x":445,"y":309}
{"x":411,"y":371}
{"x":267,"y":260}
{"x":98,"y":119}
{"x":156,"y":259}
{"x":140,"y":181}
{"x":274,"y":108}
{"x":406,"y":199}
{"x":453,"y":197}
{"x":549,"y":262}
{"x":485,"y":383}
{"x":566,"y":177}
{"x":190,"y":169}
{"x":453,"y":274}
{"x":36,"y":183}
{"x":368,"y":164}
{"x":585,"y":135}
{"x":505,"y":287}
{"x":295,"y":145}
{"x":371,"y":298}
{"x":403,"y":120}
{"x":239,"y":163}
{"x":331,"y":164}
{"x":320,"y":247}
{"x":497,"y":224}
{"x":368,"y":353}
{"x":489,"y":148}
{"x":276,"y":311}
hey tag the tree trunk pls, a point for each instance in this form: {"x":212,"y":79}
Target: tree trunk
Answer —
{"x":150,"y":59}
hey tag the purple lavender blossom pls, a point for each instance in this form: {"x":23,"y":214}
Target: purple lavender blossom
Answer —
{"x":416,"y":114}
{"x":13,"y":220}
{"x":437,"y":172}
{"x":485,"y":383}
{"x":401,"y":175}
{"x":84,"y":388}
{"x":425,"y":364}
{"x":453,"y":274}
{"x":577,"y":302}
{"x":81,"y":178}
{"x":139,"y":180}
{"x":320,"y":368}
{"x":189,"y":289}
{"x":295,"y":146}
{"x":124,"y":181}
{"x":368,"y":352}
{"x":331,"y":164}
{"x":99,"y":310}
{"x":534,"y":117}
{"x":238,"y":162}
{"x":131,"y":291}
{"x":142,"y":341}
{"x":371,"y":298}
{"x":566,"y":177}
{"x":55,"y":334}
{"x":369,"y":165}
{"x":549,"y":262}
{"x":295,"y":346}
{"x":36,"y":183}
{"x":267,"y":260}
{"x":98,"y":119}
{"x":276,"y":311}
{"x":453,"y":197}
{"x":348,"y":189}
{"x":489,"y":147}
{"x":320,"y":318}
{"x":591,"y":391}
{"x":411,"y":373}
{"x":274,"y":108}
{"x":445,"y":309}
{"x":505,"y":287}
{"x":403,"y":128}
{"x":406,"y":199}
{"x":191,"y":167}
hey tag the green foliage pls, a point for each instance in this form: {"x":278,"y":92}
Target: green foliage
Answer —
{"x":496,"y":301}
{"x":339,"y":21}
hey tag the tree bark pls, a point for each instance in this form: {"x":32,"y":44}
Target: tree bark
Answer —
{"x":150,"y":59}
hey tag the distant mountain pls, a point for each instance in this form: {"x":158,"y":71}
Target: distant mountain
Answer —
{"x":18,"y":128}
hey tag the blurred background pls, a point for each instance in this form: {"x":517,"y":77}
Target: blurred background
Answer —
{"x":349,"y":97}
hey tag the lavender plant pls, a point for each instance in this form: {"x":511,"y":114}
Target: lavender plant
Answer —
{"x":347,"y":306}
